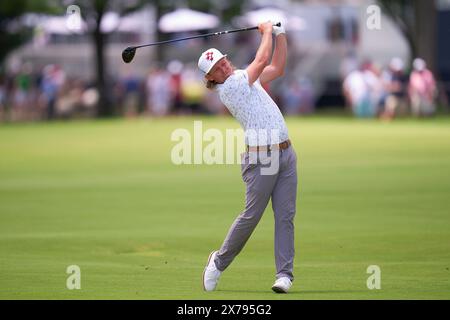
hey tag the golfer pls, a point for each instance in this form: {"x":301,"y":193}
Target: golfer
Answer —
{"x":242,"y":93}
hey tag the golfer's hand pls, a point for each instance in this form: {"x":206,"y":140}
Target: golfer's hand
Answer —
{"x":265,"y":27}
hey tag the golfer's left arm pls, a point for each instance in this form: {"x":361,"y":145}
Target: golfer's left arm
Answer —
{"x":276,"y":67}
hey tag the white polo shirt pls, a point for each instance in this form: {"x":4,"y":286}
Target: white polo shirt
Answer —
{"x":255,"y":110}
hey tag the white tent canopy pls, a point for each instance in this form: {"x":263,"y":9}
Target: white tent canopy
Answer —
{"x":60,"y":25}
{"x":139,"y":21}
{"x":185,"y":19}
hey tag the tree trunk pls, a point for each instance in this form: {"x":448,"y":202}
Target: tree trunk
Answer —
{"x":162,"y":7}
{"x":417,"y":20}
{"x":159,"y":13}
{"x":425,"y":31}
{"x":104,"y":108}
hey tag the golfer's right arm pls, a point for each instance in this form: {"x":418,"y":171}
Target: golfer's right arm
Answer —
{"x":263,"y":54}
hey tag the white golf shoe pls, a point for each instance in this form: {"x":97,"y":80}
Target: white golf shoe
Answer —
{"x":211,"y":274}
{"x":282,"y":285}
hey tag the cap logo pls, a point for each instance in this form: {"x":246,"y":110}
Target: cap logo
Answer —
{"x":209,"y":56}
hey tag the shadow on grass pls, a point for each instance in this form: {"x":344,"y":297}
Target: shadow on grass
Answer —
{"x":296,"y":292}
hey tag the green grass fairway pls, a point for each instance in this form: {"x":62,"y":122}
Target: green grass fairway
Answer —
{"x":105,"y":196}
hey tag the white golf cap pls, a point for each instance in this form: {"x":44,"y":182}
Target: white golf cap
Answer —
{"x":209,"y":58}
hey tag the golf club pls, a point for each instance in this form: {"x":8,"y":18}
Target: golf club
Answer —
{"x":129,"y":53}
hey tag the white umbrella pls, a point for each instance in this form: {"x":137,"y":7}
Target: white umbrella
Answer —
{"x":139,"y":22}
{"x":110,"y":22}
{"x":275,"y":15}
{"x":142,"y":21}
{"x":184,"y":19}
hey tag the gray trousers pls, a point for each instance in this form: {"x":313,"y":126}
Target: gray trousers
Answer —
{"x":281,"y":186}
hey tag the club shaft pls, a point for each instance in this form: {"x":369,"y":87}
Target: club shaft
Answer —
{"x":199,"y":36}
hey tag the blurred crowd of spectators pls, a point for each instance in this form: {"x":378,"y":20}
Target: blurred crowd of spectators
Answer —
{"x":181,"y":89}
{"x":390,"y":92}
{"x":48,"y":93}
{"x":178,"y":88}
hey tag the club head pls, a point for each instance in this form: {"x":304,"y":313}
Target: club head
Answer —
{"x":128,"y":54}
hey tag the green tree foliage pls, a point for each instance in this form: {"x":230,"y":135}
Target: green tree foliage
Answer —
{"x":11,"y":37}
{"x":417,"y":21}
{"x":93,"y":12}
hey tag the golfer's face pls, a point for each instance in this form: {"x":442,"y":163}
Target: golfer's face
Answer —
{"x":221,"y":71}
